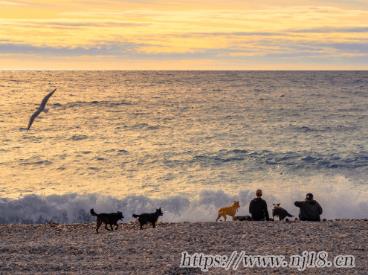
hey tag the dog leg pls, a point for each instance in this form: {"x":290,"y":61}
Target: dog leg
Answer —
{"x":218,"y":217}
{"x":98,"y":225}
{"x":153,"y":224}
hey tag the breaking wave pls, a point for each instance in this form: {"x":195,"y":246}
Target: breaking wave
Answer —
{"x":338,"y":199}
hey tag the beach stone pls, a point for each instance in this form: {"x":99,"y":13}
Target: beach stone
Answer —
{"x":77,"y":248}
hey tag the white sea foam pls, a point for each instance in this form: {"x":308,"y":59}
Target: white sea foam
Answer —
{"x":339,"y":199}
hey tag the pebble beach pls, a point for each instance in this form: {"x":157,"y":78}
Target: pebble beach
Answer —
{"x":76,"y":248}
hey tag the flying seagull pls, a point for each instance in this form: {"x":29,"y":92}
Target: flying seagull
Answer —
{"x":40,"y":109}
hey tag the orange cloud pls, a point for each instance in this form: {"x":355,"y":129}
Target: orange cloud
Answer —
{"x":198,"y":31}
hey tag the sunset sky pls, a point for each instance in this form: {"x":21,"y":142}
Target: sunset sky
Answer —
{"x":184,"y":34}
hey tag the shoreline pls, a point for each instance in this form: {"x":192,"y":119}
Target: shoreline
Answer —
{"x":76,"y":248}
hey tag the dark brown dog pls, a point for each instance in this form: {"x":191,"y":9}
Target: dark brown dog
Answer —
{"x":107,"y":218}
{"x":280,"y":212}
{"x":148,"y":218}
{"x":243,"y":218}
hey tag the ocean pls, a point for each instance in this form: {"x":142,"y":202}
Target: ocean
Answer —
{"x":188,"y":141}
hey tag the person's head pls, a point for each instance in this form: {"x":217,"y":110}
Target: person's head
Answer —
{"x":309,"y":197}
{"x":259,"y":193}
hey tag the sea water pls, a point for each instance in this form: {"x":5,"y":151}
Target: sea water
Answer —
{"x":189,"y":141}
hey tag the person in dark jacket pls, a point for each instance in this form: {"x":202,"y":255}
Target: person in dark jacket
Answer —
{"x":310,"y":210}
{"x":258,"y":208}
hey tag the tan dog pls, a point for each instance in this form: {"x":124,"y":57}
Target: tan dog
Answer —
{"x":228,"y":211}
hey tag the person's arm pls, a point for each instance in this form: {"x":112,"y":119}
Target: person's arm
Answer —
{"x":266,"y":211}
{"x":251,"y":205}
{"x":298,"y":203}
{"x":319,"y":208}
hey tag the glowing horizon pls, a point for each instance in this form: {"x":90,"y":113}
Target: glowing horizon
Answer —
{"x":184,"y":35}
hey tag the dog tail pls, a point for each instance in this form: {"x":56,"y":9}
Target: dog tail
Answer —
{"x":93,"y":213}
{"x":135,"y":216}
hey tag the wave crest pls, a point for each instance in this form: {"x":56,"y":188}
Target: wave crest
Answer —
{"x":338,"y":199}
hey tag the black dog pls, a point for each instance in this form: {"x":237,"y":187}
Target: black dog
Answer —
{"x":243,"y":218}
{"x":110,"y":218}
{"x":148,"y":218}
{"x":280,"y":212}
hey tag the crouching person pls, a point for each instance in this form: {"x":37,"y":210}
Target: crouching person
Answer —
{"x":310,"y":210}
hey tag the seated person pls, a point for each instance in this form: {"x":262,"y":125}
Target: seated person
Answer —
{"x":310,"y":210}
{"x":258,"y":208}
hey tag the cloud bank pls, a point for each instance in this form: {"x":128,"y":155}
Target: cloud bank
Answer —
{"x":241,"y":34}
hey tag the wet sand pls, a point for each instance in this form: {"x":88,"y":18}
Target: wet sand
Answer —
{"x":77,"y":248}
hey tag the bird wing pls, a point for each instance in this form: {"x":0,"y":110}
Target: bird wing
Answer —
{"x":32,"y":118}
{"x":45,"y":99}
